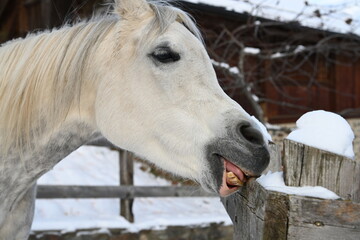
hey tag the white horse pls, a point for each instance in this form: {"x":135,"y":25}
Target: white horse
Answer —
{"x":140,"y":77}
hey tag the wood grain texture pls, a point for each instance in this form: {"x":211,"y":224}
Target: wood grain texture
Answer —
{"x":275,"y":164}
{"x":126,"y":178}
{"x":266,"y":215}
{"x":311,"y":218}
{"x":335,"y":213}
{"x":3,"y":4}
{"x":308,"y":166}
{"x":257,"y":213}
{"x":311,"y":232}
{"x":123,"y":192}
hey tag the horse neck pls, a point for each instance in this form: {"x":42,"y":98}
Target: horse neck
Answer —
{"x":62,"y":133}
{"x":20,"y":172}
{"x":35,"y":98}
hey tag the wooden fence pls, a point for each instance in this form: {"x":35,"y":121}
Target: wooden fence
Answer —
{"x":261,"y":214}
{"x":126,"y":191}
{"x":258,"y":213}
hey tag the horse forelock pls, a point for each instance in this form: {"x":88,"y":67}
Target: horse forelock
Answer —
{"x":162,"y":16}
{"x":166,"y":14}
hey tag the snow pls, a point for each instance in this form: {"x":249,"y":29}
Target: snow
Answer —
{"x":275,"y":182}
{"x":336,"y":15}
{"x":277,"y":55}
{"x":233,"y":70}
{"x":252,"y":51}
{"x":262,"y":129}
{"x":325,"y":130}
{"x":99,"y":166}
{"x":299,"y":49}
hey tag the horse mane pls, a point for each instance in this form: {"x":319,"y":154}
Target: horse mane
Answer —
{"x":41,"y":76}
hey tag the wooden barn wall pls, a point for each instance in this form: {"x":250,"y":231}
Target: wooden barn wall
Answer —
{"x":333,"y":86}
{"x":347,"y":82}
{"x":19,"y":17}
{"x":295,"y":92}
{"x":337,"y":87}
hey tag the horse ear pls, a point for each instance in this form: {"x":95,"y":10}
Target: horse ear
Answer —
{"x":131,"y":8}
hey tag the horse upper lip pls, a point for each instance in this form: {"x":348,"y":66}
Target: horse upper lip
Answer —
{"x":248,"y":173}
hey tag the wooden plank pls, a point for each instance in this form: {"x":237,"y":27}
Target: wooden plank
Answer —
{"x":267,"y":215}
{"x":312,"y":232}
{"x":345,"y":83}
{"x":3,"y":4}
{"x":257,"y":213}
{"x":293,"y":162}
{"x":247,"y":211}
{"x":46,"y":12}
{"x":308,"y":166}
{"x":311,"y":218}
{"x":357,"y":83}
{"x":275,"y":164}
{"x":276,"y":216}
{"x":23,"y":19}
{"x":123,"y":192}
{"x":126,"y":178}
{"x":7,"y":30}
{"x":356,"y":188}
{"x":322,"y":212}
{"x":100,"y":141}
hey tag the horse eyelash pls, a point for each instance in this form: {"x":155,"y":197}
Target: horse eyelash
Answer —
{"x":171,"y":55}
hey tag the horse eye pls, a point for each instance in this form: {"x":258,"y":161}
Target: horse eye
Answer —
{"x":165,"y":55}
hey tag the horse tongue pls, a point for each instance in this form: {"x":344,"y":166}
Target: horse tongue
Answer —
{"x":227,"y":187}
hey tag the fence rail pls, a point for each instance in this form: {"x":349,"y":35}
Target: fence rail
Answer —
{"x":126,"y":191}
{"x":123,"y":192}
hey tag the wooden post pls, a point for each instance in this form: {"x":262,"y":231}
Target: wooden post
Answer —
{"x":46,"y":12}
{"x":126,"y":178}
{"x":266,"y":215}
{"x":308,"y":166}
{"x":261,"y":214}
{"x":275,"y":164}
{"x":3,"y":4}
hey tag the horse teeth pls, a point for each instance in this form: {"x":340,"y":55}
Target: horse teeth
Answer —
{"x":233,"y":180}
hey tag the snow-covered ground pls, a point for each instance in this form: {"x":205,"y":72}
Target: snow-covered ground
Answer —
{"x":99,"y":166}
{"x":333,"y":15}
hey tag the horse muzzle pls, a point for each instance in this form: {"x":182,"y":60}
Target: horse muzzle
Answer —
{"x":237,"y":157}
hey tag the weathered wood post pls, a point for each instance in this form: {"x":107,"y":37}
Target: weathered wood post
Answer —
{"x":308,"y":166}
{"x":260,"y":214}
{"x":126,"y":178}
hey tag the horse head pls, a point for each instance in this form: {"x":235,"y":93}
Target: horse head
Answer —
{"x":160,"y":98}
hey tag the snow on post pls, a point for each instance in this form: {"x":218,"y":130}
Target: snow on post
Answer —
{"x":325,"y":130}
{"x":320,"y":153}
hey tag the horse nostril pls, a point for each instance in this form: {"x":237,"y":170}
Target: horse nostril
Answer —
{"x":251,"y":134}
